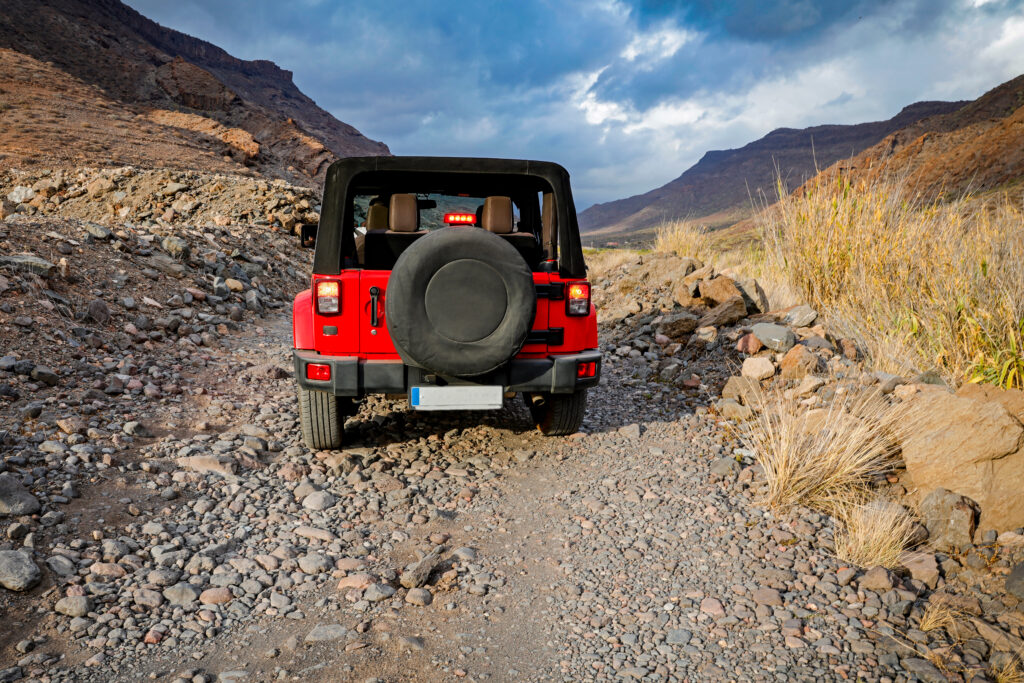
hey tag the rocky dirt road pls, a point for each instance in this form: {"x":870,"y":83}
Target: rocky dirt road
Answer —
{"x":630,"y":550}
{"x":163,"y":521}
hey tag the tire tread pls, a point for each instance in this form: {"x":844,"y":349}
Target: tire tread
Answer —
{"x":323,"y":423}
{"x":562,"y":414}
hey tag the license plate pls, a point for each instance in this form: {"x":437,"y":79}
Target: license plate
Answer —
{"x":456,"y":398}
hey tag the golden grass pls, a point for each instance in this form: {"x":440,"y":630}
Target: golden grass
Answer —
{"x":939,"y":614}
{"x":922,"y":286}
{"x":1009,"y":672}
{"x":823,"y":459}
{"x":873,"y":534}
{"x":683,"y":238}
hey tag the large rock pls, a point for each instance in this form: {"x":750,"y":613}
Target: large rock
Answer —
{"x":799,"y":362}
{"x":742,"y":389}
{"x":753,"y":295}
{"x":724,"y":314}
{"x":678,"y":326}
{"x":718,"y":290}
{"x":17,"y":571}
{"x":1015,"y":582}
{"x":922,"y":566}
{"x":758,"y":368}
{"x":1011,"y":399}
{"x":29,"y":262}
{"x":15,"y":499}
{"x":972,"y":447}
{"x":776,"y":337}
{"x":950,"y":518}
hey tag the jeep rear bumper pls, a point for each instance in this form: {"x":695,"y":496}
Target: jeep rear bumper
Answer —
{"x":353,"y":376}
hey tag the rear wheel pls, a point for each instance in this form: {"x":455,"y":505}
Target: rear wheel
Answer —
{"x":558,"y":414}
{"x":323,"y":419}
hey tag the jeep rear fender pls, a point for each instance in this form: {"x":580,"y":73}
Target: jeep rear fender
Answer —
{"x":302,"y":320}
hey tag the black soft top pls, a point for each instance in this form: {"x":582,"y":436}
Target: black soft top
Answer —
{"x":333,"y":240}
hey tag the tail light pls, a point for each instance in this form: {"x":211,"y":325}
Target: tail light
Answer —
{"x":460,"y":218}
{"x":318,"y":371}
{"x":578,"y":299}
{"x":585,"y":370}
{"x":328,"y":297}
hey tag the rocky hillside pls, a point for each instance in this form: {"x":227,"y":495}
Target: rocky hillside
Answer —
{"x":976,"y":148}
{"x":718,"y":188}
{"x":93,"y":82}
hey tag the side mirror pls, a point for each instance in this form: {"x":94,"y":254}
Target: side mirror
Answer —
{"x":307,"y":236}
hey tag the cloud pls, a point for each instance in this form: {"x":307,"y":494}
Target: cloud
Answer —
{"x":625,"y":93}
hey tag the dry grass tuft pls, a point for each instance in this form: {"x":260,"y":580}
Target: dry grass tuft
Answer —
{"x":873,"y":534}
{"x":1009,"y":672}
{"x":923,"y":286}
{"x":939,"y":614}
{"x":823,"y":459}
{"x":683,"y":238}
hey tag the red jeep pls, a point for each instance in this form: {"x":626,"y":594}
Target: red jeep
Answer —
{"x":452,"y":281}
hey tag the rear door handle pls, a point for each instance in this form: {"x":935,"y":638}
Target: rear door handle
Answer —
{"x":374,"y":293}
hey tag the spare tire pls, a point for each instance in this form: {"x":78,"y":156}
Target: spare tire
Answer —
{"x":459,"y":302}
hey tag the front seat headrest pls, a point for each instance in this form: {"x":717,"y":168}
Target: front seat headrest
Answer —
{"x":404,"y":215}
{"x":497,"y":215}
{"x":377,"y":217}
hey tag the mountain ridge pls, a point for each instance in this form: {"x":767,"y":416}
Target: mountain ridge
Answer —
{"x":184,"y":83}
{"x":722,"y":182}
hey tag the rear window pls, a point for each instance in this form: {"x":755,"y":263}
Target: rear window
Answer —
{"x":433,"y":207}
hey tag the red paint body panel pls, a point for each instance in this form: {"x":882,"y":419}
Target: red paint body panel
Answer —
{"x":374,"y":341}
{"x":355,"y":335}
{"x":302,"y":321}
{"x":346,"y":341}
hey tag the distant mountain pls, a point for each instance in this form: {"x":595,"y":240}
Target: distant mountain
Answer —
{"x":718,"y":188}
{"x":975,"y":148}
{"x":195,"y":100}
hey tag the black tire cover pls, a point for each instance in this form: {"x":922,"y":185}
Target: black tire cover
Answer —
{"x":459,"y":302}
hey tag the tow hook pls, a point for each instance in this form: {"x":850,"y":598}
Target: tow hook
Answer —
{"x":374,"y":293}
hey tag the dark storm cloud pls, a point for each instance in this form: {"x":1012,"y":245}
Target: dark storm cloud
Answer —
{"x":608,"y":85}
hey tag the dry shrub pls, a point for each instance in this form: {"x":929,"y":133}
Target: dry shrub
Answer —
{"x":1010,"y":672}
{"x":683,"y":238}
{"x":822,"y":459}
{"x":873,"y":534}
{"x":922,"y":286}
{"x":826,"y":459}
{"x":940,"y":613}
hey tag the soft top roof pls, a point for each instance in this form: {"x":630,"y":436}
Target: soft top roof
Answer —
{"x":333,"y":240}
{"x":449,"y":165}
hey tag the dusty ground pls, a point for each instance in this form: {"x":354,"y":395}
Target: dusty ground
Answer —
{"x":212,"y":545}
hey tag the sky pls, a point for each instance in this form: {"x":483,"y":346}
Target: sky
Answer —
{"x":626,"y":94}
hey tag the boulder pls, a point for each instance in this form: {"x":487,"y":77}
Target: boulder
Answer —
{"x":749,"y":344}
{"x":742,"y":389}
{"x":922,"y":566}
{"x":1015,"y":582}
{"x":29,"y":262}
{"x":799,"y":362}
{"x":776,"y":337}
{"x":800,"y":316}
{"x":758,"y":368}
{"x":972,"y":447}
{"x":175,"y":247}
{"x":718,"y":290}
{"x":15,"y":499}
{"x":950,"y":518}
{"x":1011,"y":399}
{"x":17,"y":571}
{"x":678,"y":326}
{"x":726,"y":313}
{"x":731,"y":410}
{"x":753,"y":296}
{"x":878,"y":579}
